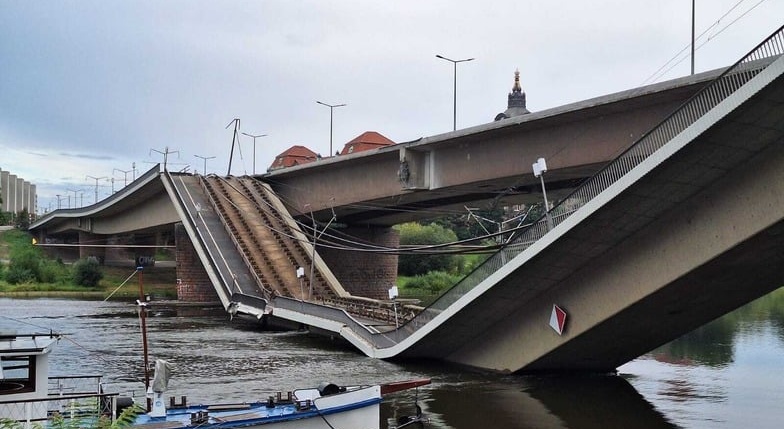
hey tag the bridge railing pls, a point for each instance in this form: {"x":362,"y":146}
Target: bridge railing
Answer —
{"x":227,"y":286}
{"x":687,"y":114}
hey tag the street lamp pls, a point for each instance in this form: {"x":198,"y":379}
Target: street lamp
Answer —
{"x":125,"y":173}
{"x":454,"y":113}
{"x":69,"y":197}
{"x":540,"y":167}
{"x":331,"y":106}
{"x":205,"y":158}
{"x":165,"y":154}
{"x":58,"y":201}
{"x":96,"y":184}
{"x":254,"y":148}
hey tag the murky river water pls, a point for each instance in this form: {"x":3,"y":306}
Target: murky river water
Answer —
{"x":728,"y":374}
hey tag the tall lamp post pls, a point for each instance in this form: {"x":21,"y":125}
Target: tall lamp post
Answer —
{"x":125,"y":175}
{"x":96,"y":184}
{"x":205,"y":158}
{"x":254,"y":147}
{"x":692,"y":36}
{"x":454,"y":103}
{"x":331,"y":107}
{"x":540,"y":167}
{"x":69,"y":197}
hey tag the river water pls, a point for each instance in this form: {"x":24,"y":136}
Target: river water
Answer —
{"x":727,"y":374}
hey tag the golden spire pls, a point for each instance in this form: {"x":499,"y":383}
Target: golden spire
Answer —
{"x":516,"y":87}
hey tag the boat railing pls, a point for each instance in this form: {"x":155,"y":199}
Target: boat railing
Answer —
{"x":710,"y":96}
{"x":79,"y":410}
{"x":75,"y":385}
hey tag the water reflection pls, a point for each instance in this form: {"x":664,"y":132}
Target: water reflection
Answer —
{"x":721,"y":375}
{"x":714,"y":344}
{"x":577,"y":402}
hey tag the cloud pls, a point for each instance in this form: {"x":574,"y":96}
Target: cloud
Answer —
{"x":86,"y":156}
{"x":93,"y":86}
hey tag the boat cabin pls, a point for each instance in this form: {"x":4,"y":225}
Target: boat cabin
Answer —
{"x":24,"y":370}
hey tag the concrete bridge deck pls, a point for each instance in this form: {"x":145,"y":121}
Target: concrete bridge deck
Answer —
{"x":680,"y":228}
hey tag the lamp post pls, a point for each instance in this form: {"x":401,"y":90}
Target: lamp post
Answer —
{"x":96,"y":185}
{"x":454,"y":103}
{"x":205,"y":158}
{"x":125,"y":175}
{"x":540,"y":167}
{"x":69,"y":197}
{"x":254,"y":147}
{"x":165,"y":154}
{"x":331,"y":107}
{"x":692,"y":36}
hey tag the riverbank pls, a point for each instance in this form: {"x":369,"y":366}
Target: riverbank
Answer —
{"x":120,"y":282}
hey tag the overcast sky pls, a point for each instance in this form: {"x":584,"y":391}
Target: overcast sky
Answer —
{"x":91,"y":87}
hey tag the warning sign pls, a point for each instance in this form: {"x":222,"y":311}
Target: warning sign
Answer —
{"x":558,"y":319}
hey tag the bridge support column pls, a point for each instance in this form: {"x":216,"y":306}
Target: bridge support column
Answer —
{"x":365,"y":274}
{"x":118,"y":255}
{"x":87,"y":238}
{"x":193,"y":284}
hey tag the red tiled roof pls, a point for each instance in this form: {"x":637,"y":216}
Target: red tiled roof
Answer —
{"x":292,"y":156}
{"x":298,"y":151}
{"x":366,"y":141}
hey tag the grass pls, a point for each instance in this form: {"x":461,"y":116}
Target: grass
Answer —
{"x":158,"y":281}
{"x":10,"y":238}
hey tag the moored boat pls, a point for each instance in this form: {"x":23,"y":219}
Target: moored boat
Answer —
{"x":326,"y":406}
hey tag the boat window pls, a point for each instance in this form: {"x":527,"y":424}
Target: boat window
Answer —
{"x":18,"y":374}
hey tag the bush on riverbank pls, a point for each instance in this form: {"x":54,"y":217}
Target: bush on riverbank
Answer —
{"x":87,"y":272}
{"x":28,"y":264}
{"x":28,"y":272}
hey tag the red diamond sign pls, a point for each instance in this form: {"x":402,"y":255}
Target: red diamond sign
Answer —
{"x":558,"y":319}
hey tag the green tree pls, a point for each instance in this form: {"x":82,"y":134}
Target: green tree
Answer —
{"x":87,"y":272}
{"x":25,"y":265}
{"x":23,"y":219}
{"x":416,"y":234}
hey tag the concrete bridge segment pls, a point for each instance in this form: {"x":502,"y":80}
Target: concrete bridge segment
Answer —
{"x":482,"y":164}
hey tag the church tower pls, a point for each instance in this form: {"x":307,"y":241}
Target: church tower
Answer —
{"x":516,"y":101}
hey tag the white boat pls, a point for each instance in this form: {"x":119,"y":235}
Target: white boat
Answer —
{"x":328,"y":406}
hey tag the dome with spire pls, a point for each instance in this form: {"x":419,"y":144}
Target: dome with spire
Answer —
{"x":515,"y":102}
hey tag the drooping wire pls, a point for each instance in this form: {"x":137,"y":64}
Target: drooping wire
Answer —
{"x":357,"y":246}
{"x":663,"y":70}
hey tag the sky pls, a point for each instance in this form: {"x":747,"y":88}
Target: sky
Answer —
{"x":94,"y":88}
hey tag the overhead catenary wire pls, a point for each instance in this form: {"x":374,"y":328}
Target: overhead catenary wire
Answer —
{"x":457,"y":247}
{"x":664,"y":69}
